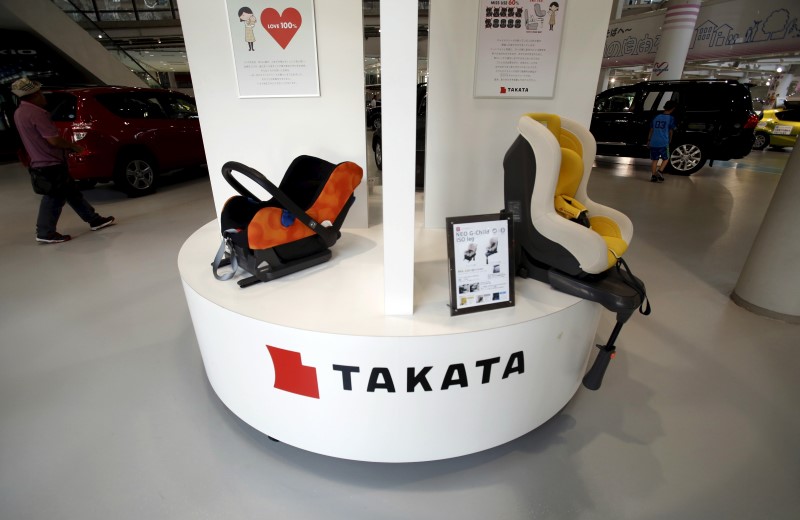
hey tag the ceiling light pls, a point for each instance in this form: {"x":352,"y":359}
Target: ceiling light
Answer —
{"x":779,"y":69}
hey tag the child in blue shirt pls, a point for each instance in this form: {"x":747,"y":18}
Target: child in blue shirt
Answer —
{"x":659,"y":137}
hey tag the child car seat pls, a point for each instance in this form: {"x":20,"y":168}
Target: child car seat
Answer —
{"x":563,"y":237}
{"x":291,"y":231}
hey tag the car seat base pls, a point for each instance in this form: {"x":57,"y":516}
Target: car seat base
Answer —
{"x":277,"y":269}
{"x":609,"y":289}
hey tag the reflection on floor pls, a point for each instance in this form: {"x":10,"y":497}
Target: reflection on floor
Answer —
{"x":105,"y":410}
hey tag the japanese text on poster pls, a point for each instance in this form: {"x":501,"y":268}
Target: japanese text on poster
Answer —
{"x":518,"y":46}
{"x":274,"y":47}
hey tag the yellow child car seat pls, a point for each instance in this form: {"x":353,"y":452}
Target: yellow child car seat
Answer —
{"x":562,"y":237}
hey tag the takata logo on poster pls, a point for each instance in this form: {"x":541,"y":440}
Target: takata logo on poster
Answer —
{"x":508,"y":90}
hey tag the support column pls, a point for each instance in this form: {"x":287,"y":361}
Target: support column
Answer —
{"x":769,"y":284}
{"x":780,"y":88}
{"x":676,"y":37}
{"x":602,"y":82}
{"x":398,"y":114}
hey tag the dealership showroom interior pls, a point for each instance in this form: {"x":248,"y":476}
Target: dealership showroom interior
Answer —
{"x":395,"y":259}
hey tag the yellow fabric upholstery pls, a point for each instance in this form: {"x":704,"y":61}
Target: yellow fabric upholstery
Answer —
{"x":569,"y":179}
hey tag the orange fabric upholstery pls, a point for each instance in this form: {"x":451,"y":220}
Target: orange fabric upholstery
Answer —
{"x":266,"y":229}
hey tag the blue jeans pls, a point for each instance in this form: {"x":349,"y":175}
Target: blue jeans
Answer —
{"x":51,"y":206}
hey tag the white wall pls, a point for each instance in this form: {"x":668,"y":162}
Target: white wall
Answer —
{"x":468,"y":137}
{"x":268,"y":133}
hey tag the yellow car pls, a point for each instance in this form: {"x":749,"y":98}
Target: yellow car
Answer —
{"x":777,"y":128}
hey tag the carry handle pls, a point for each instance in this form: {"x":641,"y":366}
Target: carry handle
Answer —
{"x":328,"y":236}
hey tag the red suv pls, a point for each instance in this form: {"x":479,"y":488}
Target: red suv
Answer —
{"x":130,"y":135}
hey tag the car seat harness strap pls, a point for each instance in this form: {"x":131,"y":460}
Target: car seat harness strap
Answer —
{"x":226,"y":256}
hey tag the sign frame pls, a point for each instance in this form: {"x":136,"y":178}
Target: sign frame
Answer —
{"x":476,"y":287}
{"x":518,"y":48}
{"x":274,"y":47}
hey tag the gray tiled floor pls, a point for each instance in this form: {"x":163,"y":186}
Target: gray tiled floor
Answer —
{"x":105,"y":411}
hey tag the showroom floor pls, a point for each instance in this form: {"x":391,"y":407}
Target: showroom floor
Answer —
{"x":106,"y":412}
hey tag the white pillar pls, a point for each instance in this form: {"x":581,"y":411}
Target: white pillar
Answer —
{"x":676,"y":37}
{"x":602,"y":82}
{"x":782,"y":82}
{"x":769,"y":284}
{"x":399,"y":123}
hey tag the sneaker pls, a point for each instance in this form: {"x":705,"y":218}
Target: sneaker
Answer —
{"x":653,"y":178}
{"x":53,"y":238}
{"x":660,"y":177}
{"x":101,"y":222}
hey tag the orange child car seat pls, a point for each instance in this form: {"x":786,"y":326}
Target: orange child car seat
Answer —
{"x":291,"y":231}
{"x":562,"y":237}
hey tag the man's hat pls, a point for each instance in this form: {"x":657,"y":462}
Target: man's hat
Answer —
{"x":25,"y":87}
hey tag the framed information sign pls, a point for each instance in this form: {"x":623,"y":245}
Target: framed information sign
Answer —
{"x":274,"y":47}
{"x":517,"y":47}
{"x":480,"y":263}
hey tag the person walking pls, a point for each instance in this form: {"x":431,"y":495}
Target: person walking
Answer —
{"x":659,"y":138}
{"x":48,"y":165}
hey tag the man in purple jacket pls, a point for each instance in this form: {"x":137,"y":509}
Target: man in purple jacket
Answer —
{"x":48,"y":167}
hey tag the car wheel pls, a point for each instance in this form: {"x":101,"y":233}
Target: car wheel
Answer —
{"x":379,"y":155}
{"x":686,"y":159}
{"x":136,"y":175}
{"x":376,"y":123}
{"x":761,"y":142}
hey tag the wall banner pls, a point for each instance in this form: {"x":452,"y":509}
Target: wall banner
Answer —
{"x":274,"y":47}
{"x":518,"y":46}
{"x":724,"y":30}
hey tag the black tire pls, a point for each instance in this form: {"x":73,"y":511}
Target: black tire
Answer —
{"x":762,"y":141}
{"x":379,"y":155}
{"x":376,"y":123}
{"x":136,"y":174}
{"x":686,"y":158}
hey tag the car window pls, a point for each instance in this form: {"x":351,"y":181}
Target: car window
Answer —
{"x":788,"y":115}
{"x":619,"y":102}
{"x":179,"y":107}
{"x":62,"y":106}
{"x":668,"y":95}
{"x":133,"y":106}
{"x":650,"y":100}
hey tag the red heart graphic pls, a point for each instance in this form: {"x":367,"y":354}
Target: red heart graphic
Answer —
{"x":282,"y":27}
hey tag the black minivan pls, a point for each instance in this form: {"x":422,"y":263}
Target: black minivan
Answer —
{"x":715,"y":118}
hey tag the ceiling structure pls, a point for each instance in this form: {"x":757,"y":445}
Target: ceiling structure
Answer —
{"x":147,"y":34}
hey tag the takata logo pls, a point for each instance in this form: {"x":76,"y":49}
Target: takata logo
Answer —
{"x":508,"y":90}
{"x":291,"y":375}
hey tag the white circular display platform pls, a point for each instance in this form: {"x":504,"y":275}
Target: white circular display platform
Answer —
{"x":311,"y":360}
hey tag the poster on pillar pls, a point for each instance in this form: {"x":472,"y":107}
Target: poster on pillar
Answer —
{"x":517,"y":48}
{"x":274,"y":47}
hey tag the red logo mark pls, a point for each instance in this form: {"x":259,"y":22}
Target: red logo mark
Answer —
{"x":291,"y":375}
{"x":282,"y":27}
{"x":502,"y":90}
{"x":658,"y":68}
